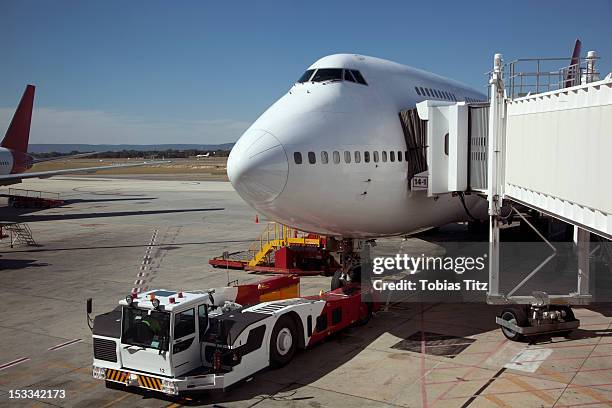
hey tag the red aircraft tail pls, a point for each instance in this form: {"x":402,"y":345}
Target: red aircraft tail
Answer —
{"x":18,"y":133}
{"x":574,"y":70}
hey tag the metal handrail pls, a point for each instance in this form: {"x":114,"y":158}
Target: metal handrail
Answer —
{"x":538,"y":76}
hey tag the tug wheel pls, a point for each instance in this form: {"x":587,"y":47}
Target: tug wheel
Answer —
{"x":515,"y":316}
{"x":283,"y":341}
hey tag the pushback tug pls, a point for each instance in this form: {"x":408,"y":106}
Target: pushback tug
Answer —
{"x":176,"y":342}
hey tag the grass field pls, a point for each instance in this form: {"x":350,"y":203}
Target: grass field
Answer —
{"x":213,"y":168}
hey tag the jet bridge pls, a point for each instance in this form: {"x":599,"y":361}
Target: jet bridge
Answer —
{"x":548,"y":151}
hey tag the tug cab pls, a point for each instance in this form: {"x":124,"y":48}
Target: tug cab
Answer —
{"x":162,"y":333}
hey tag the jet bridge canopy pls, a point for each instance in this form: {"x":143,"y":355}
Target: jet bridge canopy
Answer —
{"x":557,"y":154}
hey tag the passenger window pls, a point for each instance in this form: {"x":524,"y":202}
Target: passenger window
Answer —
{"x":417,"y":90}
{"x":327,"y":74}
{"x":366,"y":157}
{"x":347,"y":157}
{"x":324,"y":157}
{"x":358,"y":77}
{"x":312,"y":158}
{"x":202,"y":320}
{"x":406,"y":155}
{"x":422,"y":91}
{"x":306,"y":76}
{"x":297,"y":157}
{"x":384,"y":156}
{"x":357,"y":157}
{"x":336,"y":157}
{"x":184,"y":324}
{"x":399,"y":156}
{"x":375,"y":154}
{"x":392,"y":156}
{"x":348,"y":76}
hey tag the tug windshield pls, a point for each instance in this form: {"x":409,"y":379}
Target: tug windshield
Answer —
{"x":146,"y":328}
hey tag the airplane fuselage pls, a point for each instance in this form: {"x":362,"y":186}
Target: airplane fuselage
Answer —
{"x":13,"y":162}
{"x":309,"y":160}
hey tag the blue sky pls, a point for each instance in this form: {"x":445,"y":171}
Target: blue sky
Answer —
{"x":202,"y":71}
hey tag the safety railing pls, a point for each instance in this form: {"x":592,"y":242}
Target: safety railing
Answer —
{"x":537,"y":75}
{"x":20,"y":192}
{"x":277,"y":235}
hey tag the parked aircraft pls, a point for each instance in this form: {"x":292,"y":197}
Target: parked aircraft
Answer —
{"x":330,"y":156}
{"x":14,"y":157}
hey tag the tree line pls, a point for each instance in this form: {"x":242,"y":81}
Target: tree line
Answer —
{"x":124,"y":154}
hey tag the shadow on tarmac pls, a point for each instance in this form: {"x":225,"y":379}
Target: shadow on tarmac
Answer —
{"x":57,"y":217}
{"x":15,"y":264}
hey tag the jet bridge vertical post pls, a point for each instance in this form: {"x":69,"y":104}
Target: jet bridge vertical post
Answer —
{"x":494,"y":171}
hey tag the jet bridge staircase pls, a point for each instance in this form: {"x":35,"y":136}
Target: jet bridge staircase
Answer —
{"x":542,"y":143}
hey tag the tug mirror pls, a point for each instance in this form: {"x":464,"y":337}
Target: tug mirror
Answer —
{"x":89,"y":309}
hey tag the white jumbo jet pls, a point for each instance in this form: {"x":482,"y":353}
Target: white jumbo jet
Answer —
{"x":329,"y":157}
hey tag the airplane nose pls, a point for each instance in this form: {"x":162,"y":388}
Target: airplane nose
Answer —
{"x":257,"y":167}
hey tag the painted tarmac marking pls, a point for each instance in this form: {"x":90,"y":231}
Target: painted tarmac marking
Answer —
{"x":423,"y":367}
{"x":496,"y":400}
{"x":484,"y":387}
{"x":65,"y":344}
{"x":531,"y":389}
{"x":146,"y":261}
{"x":541,"y":389}
{"x":474,"y":368}
{"x":529,"y":360}
{"x":13,"y":363}
{"x":116,"y":400}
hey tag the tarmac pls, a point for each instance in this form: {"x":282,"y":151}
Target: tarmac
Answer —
{"x":408,"y":355}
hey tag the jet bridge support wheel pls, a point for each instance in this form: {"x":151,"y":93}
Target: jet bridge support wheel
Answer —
{"x":516,"y":316}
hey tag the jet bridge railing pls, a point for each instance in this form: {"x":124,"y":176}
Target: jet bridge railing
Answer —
{"x":527,"y":76}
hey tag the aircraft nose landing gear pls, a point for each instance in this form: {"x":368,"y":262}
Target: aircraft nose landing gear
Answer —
{"x":351,"y":254}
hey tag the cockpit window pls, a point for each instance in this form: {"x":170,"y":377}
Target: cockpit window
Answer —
{"x":358,"y":77}
{"x":332,"y":74}
{"x":327,"y":74}
{"x":348,"y":76}
{"x":306,"y":76}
